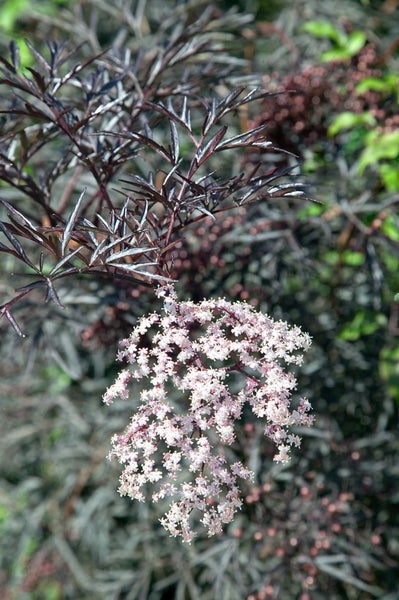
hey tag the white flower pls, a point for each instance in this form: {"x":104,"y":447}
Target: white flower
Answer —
{"x":178,"y":446}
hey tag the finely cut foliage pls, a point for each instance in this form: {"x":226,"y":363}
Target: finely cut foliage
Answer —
{"x":200,"y":349}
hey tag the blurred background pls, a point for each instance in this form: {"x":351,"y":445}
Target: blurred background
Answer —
{"x":326,"y":525}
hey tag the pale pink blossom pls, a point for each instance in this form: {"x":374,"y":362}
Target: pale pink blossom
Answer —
{"x":199,"y":364}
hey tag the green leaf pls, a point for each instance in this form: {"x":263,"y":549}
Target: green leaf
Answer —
{"x":379,"y":146}
{"x":331,"y":257}
{"x":364,"y":323}
{"x":387,"y":84}
{"x":390,"y":176}
{"x":389,"y":227}
{"x":353,"y":259}
{"x":348,"y":120}
{"x":10,"y":12}
{"x":51,"y":590}
{"x":389,"y":370}
{"x":370,"y":83}
{"x":324,"y":29}
{"x":311,"y":210}
{"x":339,"y":54}
{"x":56,"y":378}
{"x":355,"y":42}
{"x":391,"y":264}
{"x":345,"y":46}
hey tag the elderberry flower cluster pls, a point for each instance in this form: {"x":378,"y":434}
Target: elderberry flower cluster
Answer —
{"x":218,"y":356}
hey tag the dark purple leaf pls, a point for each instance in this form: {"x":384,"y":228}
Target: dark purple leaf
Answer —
{"x":64,"y":260}
{"x":66,"y":236}
{"x":14,"y":53}
{"x":175,"y":148}
{"x":15,"y":243}
{"x":41,"y":60}
{"x":51,"y":294}
{"x":203,"y":154}
{"x":13,"y":323}
{"x":39,"y":79}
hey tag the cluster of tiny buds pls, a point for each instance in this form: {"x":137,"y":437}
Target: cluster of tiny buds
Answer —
{"x":198,"y":364}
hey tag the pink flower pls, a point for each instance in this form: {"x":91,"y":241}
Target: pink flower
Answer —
{"x":204,"y":363}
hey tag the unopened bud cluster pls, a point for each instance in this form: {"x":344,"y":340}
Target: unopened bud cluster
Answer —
{"x":198,"y":365}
